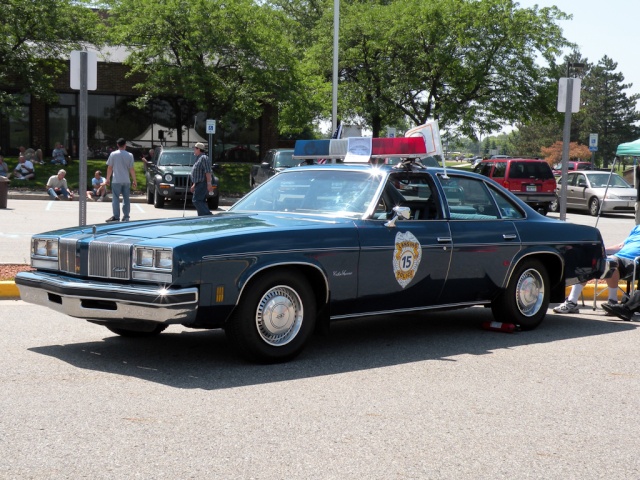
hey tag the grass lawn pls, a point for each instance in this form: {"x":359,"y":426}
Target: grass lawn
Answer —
{"x":234,"y":177}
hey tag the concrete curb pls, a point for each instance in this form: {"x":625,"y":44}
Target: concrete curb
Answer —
{"x":9,"y":290}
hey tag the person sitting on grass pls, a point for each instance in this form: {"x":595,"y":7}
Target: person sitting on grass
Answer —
{"x":59,"y":155}
{"x":57,"y":185}
{"x":24,"y":170}
{"x":98,"y":187}
{"x":624,"y":255}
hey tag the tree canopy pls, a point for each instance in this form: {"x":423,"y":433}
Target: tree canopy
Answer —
{"x":37,"y":38}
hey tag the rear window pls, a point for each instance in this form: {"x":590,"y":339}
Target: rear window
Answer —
{"x":537,"y":170}
{"x":285,"y":159}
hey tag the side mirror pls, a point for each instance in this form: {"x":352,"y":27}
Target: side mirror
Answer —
{"x":403,"y":213}
{"x":216,"y":167}
{"x":582,"y":184}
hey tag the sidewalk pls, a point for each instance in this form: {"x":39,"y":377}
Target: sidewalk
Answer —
{"x":137,"y":198}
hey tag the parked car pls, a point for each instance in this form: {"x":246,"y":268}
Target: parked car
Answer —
{"x":571,"y":166}
{"x":315,"y":244}
{"x":586,"y":191}
{"x":531,"y":180}
{"x":168,"y":177}
{"x":275,"y":160}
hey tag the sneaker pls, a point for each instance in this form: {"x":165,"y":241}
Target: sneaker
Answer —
{"x":608,"y":303}
{"x":112,"y":219}
{"x":617,"y":310}
{"x":125,"y":219}
{"x":567,"y":307}
{"x":100,"y":199}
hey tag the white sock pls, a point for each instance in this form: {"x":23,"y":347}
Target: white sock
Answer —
{"x":575,"y":292}
{"x":613,"y":294}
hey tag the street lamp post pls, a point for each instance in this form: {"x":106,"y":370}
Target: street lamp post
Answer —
{"x":336,"y":28}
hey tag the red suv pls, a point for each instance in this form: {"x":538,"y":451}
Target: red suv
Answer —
{"x":531,"y":180}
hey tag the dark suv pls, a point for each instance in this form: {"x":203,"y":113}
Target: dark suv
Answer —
{"x":168,"y":177}
{"x":531,"y":180}
{"x":274,"y":161}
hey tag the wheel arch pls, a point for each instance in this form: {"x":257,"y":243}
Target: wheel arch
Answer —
{"x":552,"y":261}
{"x":313,"y":273}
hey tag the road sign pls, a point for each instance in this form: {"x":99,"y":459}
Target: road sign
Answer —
{"x":211,"y":127}
{"x":593,"y":149}
{"x":593,"y":140}
{"x":569,"y":86}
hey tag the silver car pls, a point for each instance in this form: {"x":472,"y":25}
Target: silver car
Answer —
{"x":586,"y":191}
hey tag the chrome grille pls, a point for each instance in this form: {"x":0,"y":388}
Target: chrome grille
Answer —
{"x":67,"y":255}
{"x":110,"y":257}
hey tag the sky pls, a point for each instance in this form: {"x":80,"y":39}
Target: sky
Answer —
{"x":602,"y":28}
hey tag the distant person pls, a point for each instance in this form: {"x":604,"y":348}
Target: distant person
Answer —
{"x":148,"y":158}
{"x":98,"y":187}
{"x":57,"y":185}
{"x":120,"y":166}
{"x":59,"y":155}
{"x":24,"y":170}
{"x":4,"y":168}
{"x":201,"y":178}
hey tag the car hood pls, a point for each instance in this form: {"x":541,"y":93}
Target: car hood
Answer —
{"x":177,"y":231}
{"x":175,"y":169}
{"x":619,"y":191}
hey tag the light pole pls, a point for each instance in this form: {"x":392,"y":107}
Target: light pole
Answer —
{"x":568,"y":107}
{"x":336,"y":28}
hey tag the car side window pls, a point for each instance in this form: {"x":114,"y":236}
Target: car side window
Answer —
{"x":486,"y":169}
{"x":500,"y":170}
{"x":507,"y":208}
{"x":468,"y":199}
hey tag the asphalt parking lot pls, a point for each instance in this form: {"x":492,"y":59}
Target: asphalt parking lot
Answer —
{"x":398,"y":397}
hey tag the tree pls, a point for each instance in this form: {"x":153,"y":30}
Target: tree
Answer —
{"x":229,"y":59}
{"x":36,"y":35}
{"x":469,"y":64}
{"x":553,"y":153}
{"x":607,"y":110}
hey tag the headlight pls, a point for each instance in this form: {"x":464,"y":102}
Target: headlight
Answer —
{"x":164,"y":259}
{"x":43,"y":247}
{"x":168,"y":177}
{"x":153,"y":258}
{"x":144,"y":257}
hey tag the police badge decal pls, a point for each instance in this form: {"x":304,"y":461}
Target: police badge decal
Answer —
{"x":406,"y":258}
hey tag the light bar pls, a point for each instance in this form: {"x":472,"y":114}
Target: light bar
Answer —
{"x":381,"y":148}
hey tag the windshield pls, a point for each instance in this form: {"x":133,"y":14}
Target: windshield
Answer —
{"x":338,"y":193}
{"x":285,"y":159}
{"x":599,"y":180}
{"x":185,"y":158}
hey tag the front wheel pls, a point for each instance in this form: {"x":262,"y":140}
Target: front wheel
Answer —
{"x":149,"y":197}
{"x":594,"y":206}
{"x":526,"y":298}
{"x":158,"y":200}
{"x":274,"y":318}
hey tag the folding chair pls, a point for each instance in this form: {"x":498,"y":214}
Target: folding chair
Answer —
{"x":632,"y":280}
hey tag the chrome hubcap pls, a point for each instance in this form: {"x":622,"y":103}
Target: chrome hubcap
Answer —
{"x":530,"y":293}
{"x":279,"y":315}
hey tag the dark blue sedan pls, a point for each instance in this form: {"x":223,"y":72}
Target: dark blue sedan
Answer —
{"x":316,"y":244}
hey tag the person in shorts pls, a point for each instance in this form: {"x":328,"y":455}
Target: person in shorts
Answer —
{"x":98,"y":187}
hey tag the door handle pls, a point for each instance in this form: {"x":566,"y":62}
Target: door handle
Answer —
{"x":509,"y":236}
{"x":444,"y":239}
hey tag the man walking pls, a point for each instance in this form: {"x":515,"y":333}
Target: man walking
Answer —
{"x":120,"y":164}
{"x":201,"y":178}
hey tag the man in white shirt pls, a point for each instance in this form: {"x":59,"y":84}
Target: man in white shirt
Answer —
{"x":57,"y":185}
{"x":24,"y":170}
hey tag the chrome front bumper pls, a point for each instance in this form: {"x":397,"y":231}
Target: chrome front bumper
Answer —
{"x":92,"y":300}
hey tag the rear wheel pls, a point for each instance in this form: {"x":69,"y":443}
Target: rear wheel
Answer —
{"x":594,"y":206}
{"x":274,"y":318}
{"x":158,"y":200}
{"x":526,"y":298}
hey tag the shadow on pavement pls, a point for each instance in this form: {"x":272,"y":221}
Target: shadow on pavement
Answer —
{"x":202,"y":359}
